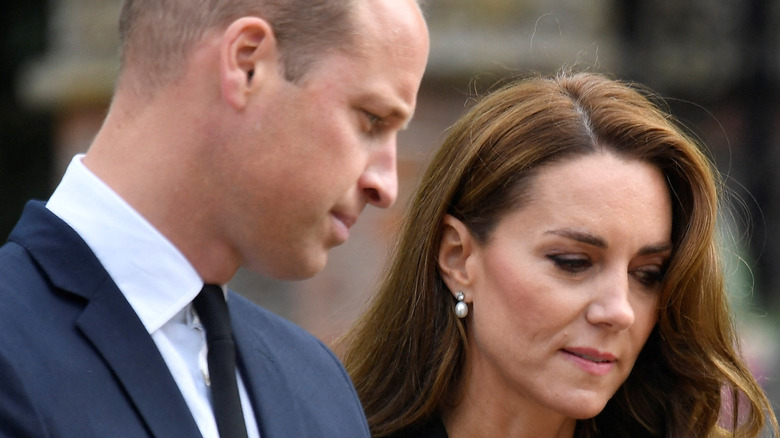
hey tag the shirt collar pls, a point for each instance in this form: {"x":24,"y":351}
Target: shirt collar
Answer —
{"x":155,"y":277}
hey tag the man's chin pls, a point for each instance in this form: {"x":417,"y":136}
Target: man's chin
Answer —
{"x":292,"y":271}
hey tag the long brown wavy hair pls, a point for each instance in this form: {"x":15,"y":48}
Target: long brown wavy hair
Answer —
{"x":407,"y":353}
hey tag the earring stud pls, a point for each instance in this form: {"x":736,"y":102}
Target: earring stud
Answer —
{"x":461,"y":308}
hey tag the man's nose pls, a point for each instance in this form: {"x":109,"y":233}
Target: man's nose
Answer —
{"x":379,"y":181}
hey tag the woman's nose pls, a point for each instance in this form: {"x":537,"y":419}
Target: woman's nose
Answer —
{"x":610,"y":306}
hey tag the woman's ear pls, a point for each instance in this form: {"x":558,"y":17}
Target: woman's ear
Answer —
{"x":455,"y":248}
{"x":248,"y":54}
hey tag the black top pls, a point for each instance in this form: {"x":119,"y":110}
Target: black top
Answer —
{"x":433,"y":428}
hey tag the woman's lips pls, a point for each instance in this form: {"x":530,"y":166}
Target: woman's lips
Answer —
{"x":591,"y":360}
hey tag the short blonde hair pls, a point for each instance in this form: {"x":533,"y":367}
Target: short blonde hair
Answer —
{"x":159,"y":34}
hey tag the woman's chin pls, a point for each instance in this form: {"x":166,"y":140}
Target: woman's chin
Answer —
{"x":583,"y":409}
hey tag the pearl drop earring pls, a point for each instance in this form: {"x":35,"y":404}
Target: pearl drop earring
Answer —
{"x":461,"y":308}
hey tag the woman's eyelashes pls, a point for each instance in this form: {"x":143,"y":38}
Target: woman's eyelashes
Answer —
{"x":571,"y":263}
{"x":648,"y":276}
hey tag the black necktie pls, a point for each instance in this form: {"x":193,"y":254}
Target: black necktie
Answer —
{"x":213,"y":313}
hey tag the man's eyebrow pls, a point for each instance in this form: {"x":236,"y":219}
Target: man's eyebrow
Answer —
{"x":579,"y":236}
{"x":392,"y":108}
{"x":407,"y":120}
{"x":402,"y":113}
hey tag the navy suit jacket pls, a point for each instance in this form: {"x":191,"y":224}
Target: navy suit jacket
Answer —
{"x":75,"y":360}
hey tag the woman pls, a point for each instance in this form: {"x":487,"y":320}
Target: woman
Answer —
{"x":558,"y":274}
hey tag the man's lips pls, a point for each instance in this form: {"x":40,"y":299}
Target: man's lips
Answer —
{"x":345,"y":219}
{"x":343,"y":223}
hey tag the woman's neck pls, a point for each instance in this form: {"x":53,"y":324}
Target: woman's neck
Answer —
{"x":485,"y":411}
{"x":470,"y":423}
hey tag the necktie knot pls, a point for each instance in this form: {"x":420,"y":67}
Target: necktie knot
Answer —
{"x":213,"y":313}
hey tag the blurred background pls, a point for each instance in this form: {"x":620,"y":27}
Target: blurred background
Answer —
{"x":717,"y":63}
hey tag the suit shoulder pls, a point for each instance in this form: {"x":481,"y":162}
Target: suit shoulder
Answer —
{"x":275,"y":332}
{"x":303,"y":388}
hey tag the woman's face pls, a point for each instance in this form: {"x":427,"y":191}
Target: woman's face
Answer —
{"x":564,"y":293}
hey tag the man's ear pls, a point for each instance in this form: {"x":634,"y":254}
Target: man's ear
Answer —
{"x":455,"y":249}
{"x":248,"y":54}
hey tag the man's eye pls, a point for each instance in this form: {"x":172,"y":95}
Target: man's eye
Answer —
{"x":373,"y":119}
{"x":570,"y":263}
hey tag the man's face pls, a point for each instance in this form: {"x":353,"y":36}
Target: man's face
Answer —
{"x":324,"y":148}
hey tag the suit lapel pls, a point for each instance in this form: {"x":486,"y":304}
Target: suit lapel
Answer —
{"x":268,"y":388}
{"x":108,"y":321}
{"x":116,"y":332}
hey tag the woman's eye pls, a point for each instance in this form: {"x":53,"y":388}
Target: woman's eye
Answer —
{"x":649,"y":277}
{"x":570,"y":263}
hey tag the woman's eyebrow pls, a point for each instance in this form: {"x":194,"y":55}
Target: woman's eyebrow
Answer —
{"x":590,"y":239}
{"x":655,"y":249}
{"x":579,"y":236}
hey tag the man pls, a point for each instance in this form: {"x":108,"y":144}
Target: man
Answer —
{"x":235,"y":138}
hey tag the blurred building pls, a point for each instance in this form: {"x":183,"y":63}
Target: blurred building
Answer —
{"x":717,"y":62}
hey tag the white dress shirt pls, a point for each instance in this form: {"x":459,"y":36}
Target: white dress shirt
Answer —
{"x":155,"y":278}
